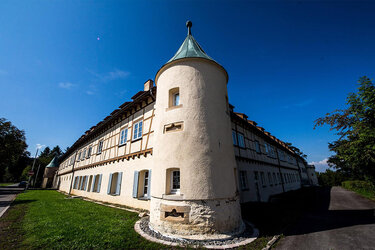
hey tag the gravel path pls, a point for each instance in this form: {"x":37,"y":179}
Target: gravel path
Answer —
{"x":248,"y":233}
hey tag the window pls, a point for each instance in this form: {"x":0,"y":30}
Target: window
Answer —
{"x":175,"y":182}
{"x":256,"y":175}
{"x":272,"y":151}
{"x":241,"y":141}
{"x":274,"y":179}
{"x":270,"y":179}
{"x":263,"y":180}
{"x":100,"y":147}
{"x":234,"y":137}
{"x":257,"y":147}
{"x":89,"y":152}
{"x":282,"y":155}
{"x":137,"y":134}
{"x":267,"y":149}
{"x":89,"y":184}
{"x":123,"y":136}
{"x":145,"y":184}
{"x":142,"y":184}
{"x":84,"y":154}
{"x":96,"y":183}
{"x":176,"y":99}
{"x":114,"y":183}
{"x":79,"y":156}
{"x":243,"y":180}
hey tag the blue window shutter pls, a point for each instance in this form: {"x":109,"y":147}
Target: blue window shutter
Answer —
{"x":135,"y":184}
{"x":75,"y":182}
{"x":109,"y":184}
{"x":149,"y":185}
{"x":99,"y":183}
{"x":118,"y":188}
{"x":93,"y":183}
{"x":86,"y":180}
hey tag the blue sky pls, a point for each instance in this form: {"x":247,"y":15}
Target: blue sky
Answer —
{"x":65,"y":65}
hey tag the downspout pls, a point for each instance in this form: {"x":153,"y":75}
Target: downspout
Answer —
{"x":281,"y":176}
{"x":71,"y":182}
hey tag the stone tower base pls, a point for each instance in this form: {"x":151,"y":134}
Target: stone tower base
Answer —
{"x":196,"y":219}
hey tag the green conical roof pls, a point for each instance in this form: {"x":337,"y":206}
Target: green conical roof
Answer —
{"x":190,"y":48}
{"x":53,"y":163}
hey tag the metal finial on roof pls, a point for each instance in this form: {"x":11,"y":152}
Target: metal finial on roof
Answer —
{"x":188,"y":25}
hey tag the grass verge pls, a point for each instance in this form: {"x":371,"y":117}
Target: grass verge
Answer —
{"x":6,"y":184}
{"x":46,"y":219}
{"x":363,"y":188}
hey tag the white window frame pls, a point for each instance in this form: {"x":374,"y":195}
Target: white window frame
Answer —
{"x":137,"y":130}
{"x":123,"y":136}
{"x":175,"y":190}
{"x":146,"y":181}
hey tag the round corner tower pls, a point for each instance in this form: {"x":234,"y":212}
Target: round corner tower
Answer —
{"x":194,"y":163}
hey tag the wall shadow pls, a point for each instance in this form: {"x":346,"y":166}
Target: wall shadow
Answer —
{"x":301,"y":212}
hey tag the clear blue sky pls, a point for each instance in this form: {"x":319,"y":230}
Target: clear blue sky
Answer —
{"x":288,"y":62}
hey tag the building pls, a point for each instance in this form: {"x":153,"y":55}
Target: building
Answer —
{"x":179,"y":150}
{"x":50,"y":173}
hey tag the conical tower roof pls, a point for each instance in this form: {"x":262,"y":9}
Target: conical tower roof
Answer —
{"x":53,"y":163}
{"x":190,"y":47}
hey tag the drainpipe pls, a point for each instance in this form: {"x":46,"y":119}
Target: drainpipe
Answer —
{"x":71,"y":182}
{"x":281,"y":176}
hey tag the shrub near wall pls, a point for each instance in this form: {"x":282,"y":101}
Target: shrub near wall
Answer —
{"x":364,"y":188}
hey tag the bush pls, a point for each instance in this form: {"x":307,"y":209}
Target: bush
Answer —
{"x":364,"y":188}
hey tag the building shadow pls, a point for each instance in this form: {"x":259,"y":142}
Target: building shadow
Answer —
{"x":301,"y":212}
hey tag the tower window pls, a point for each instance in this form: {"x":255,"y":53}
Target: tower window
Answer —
{"x":174,"y":97}
{"x":175,"y":179}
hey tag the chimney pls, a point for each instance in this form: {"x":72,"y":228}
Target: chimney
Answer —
{"x":148,"y":85}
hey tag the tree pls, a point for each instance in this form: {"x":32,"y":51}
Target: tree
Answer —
{"x":12,"y":147}
{"x":355,"y":126}
{"x":296,"y":150}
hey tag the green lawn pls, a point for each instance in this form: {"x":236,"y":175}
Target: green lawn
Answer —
{"x":5,"y":184}
{"x":46,"y":219}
